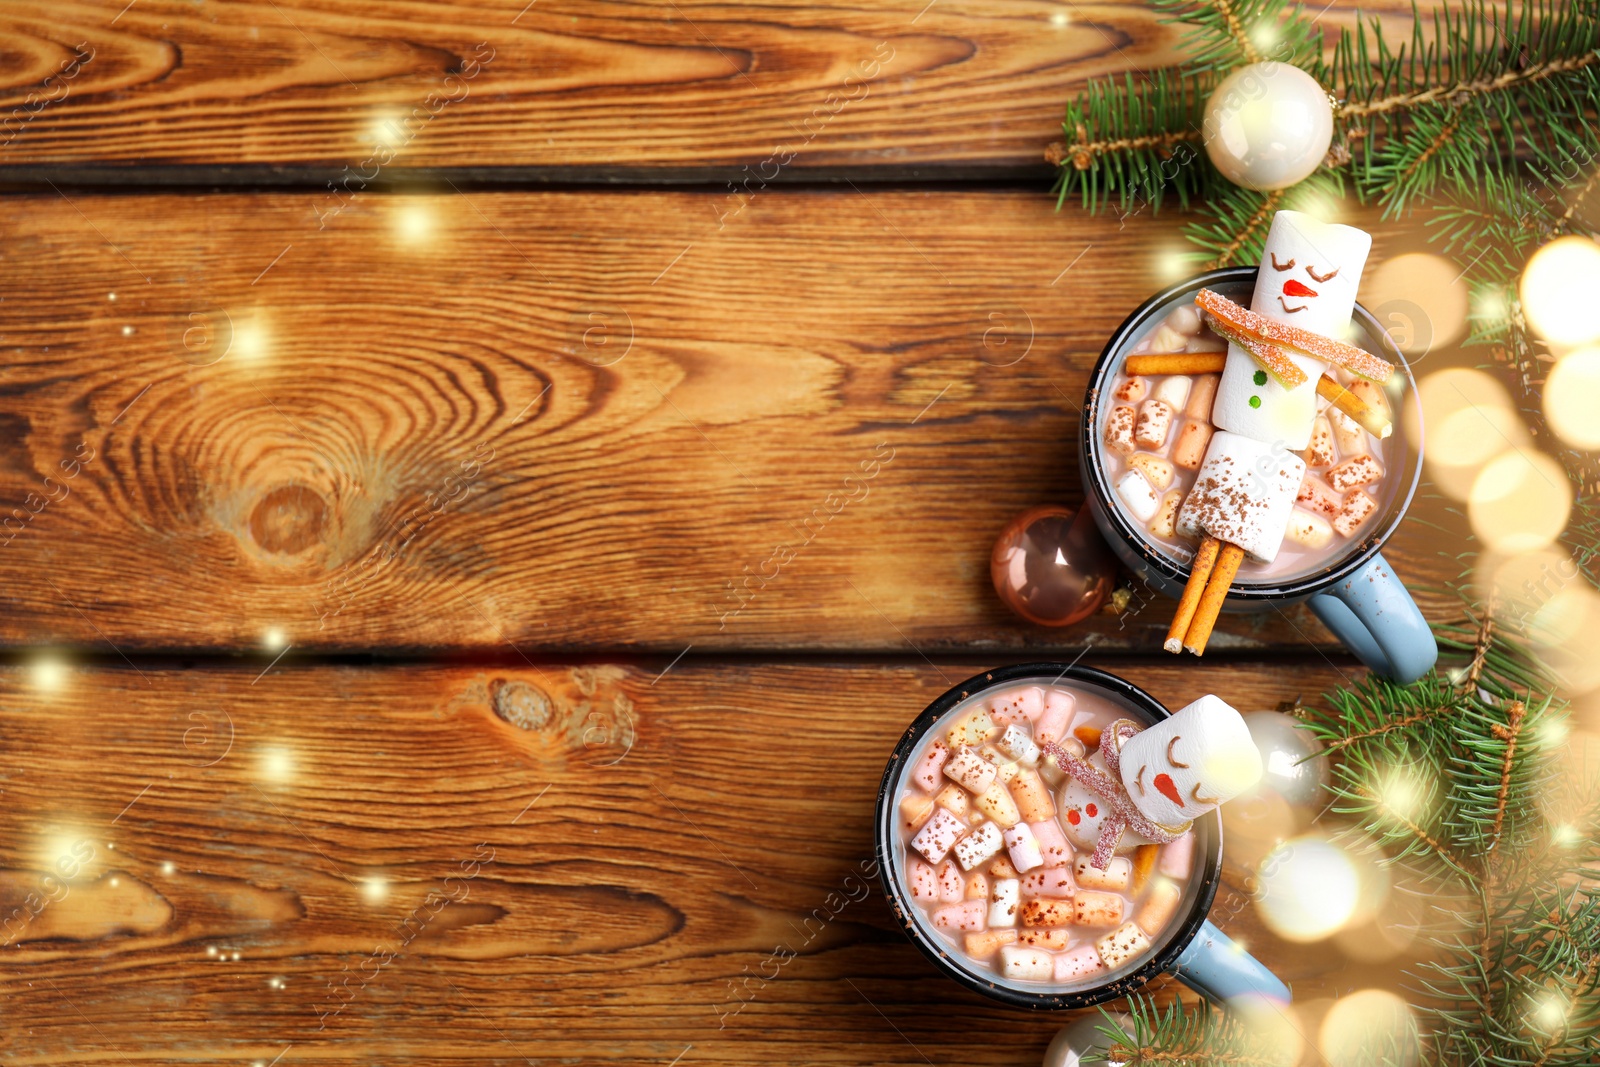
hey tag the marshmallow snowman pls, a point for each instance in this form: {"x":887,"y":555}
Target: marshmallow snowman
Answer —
{"x":1309,"y":274}
{"x":1192,"y":761}
{"x":1173,"y":772}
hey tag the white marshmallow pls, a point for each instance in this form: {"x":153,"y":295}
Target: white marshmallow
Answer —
{"x":1123,"y":945}
{"x":1003,"y":905}
{"x":1155,"y":419}
{"x":971,"y":770}
{"x":980,"y":846}
{"x":1358,"y":508}
{"x":1317,"y":250}
{"x":1140,"y":496}
{"x":1354,"y":473}
{"x":1119,"y":430}
{"x":1174,"y":389}
{"x":935,"y":839}
{"x":1117,"y":874}
{"x":1017,"y":744}
{"x":1023,"y":848}
{"x":1311,"y":531}
{"x":1243,"y":495}
{"x":1026,"y":964}
{"x":1156,"y":469}
{"x":1187,"y":764}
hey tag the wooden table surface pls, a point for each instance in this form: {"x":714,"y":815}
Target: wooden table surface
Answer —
{"x":396,"y":398}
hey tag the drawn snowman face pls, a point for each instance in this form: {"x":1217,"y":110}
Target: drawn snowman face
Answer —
{"x":1309,"y":272}
{"x":1184,"y":766}
{"x":1296,"y":291}
{"x":1157,"y":775}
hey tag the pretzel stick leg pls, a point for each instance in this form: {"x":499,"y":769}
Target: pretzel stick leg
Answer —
{"x":1199,"y":573}
{"x":1205,"y":617}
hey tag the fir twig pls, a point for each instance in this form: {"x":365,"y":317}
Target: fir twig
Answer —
{"x":1508,"y":734}
{"x":1250,"y":231}
{"x":1458,"y":92}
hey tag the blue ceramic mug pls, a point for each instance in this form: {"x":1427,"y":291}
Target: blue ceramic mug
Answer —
{"x":1356,"y":593}
{"x":1190,"y":947}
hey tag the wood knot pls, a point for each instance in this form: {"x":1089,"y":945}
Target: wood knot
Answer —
{"x":288,"y":520}
{"x":520,"y":704}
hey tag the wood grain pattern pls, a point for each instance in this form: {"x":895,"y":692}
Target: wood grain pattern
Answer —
{"x":556,"y":420}
{"x":563,"y":89}
{"x":239,"y":843}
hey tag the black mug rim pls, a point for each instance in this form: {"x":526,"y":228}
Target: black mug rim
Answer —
{"x":1208,"y":838}
{"x":1305,"y":585}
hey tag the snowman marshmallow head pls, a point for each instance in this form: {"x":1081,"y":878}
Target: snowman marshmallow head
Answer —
{"x":1186,"y":765}
{"x":1310,"y":273}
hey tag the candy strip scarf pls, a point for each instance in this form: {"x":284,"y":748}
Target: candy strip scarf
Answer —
{"x":1122,"y":815}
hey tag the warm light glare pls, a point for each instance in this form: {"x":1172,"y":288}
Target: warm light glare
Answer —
{"x":413,"y":223}
{"x":1558,"y":291}
{"x":387,"y":130}
{"x":49,"y":674}
{"x":1367,"y":1027}
{"x":1519,"y":502}
{"x":1309,"y":889}
{"x":1549,"y":1012}
{"x":276,"y":764}
{"x":1572,"y":399}
{"x":1173,"y":265}
{"x":1060,"y":19}
{"x":1271,"y":1025}
{"x":1566,"y":835}
{"x":273,"y":639}
{"x":66,"y":854}
{"x":249,"y":340}
{"x":374,"y":890}
{"x":1420,"y":300}
{"x":1401,"y":795}
{"x":1469,"y":419}
{"x":169,"y":868}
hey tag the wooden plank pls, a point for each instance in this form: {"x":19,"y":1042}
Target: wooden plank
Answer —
{"x":300,"y":90}
{"x":555,"y":420}
{"x":621,"y":864}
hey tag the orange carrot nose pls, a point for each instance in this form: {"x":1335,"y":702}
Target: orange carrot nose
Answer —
{"x":1168,"y":789}
{"x":1294,"y":288}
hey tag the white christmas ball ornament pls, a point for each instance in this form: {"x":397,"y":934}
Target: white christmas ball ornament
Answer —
{"x":1268,"y":126}
{"x":1081,"y":1035}
{"x":1288,"y":756}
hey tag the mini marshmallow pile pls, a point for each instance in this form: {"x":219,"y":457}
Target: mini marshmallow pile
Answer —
{"x":989,"y":862}
{"x":1160,"y":428}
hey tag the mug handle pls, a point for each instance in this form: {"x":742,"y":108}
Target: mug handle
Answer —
{"x":1371,"y":612}
{"x":1214,"y":966}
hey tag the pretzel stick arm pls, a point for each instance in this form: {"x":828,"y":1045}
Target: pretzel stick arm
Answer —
{"x":1353,"y":406}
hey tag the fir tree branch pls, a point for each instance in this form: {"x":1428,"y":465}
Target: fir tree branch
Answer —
{"x":1138,"y":1057}
{"x":1459,"y":92}
{"x":1481,"y":651}
{"x":1509,"y":734}
{"x":1082,"y":152}
{"x":1235,"y":30}
{"x":1249,"y":231}
{"x":1388,"y":727}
